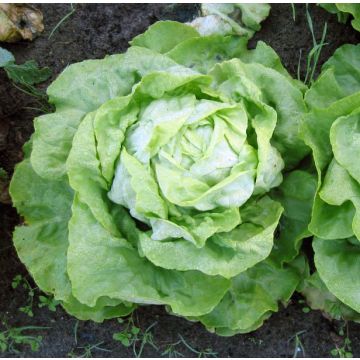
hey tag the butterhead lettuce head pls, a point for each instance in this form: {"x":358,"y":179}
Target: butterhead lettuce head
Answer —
{"x":332,"y":130}
{"x":153,"y":182}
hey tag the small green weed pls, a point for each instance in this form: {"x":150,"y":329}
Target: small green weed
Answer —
{"x":200,"y":353}
{"x":71,"y":12}
{"x":44,"y":301}
{"x":22,"y":281}
{"x":86,"y":351}
{"x":345,"y":350}
{"x":305,"y":308}
{"x":129,"y":334}
{"x":293,"y":11}
{"x":132,"y":335}
{"x":255,"y":341}
{"x":48,"y":302}
{"x":314,"y":54}
{"x":170,"y":350}
{"x":11,"y":339}
{"x":144,"y":338}
{"x":299,"y":347}
{"x":76,"y":331}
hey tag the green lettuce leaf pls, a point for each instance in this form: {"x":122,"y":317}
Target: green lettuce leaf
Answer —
{"x":320,"y":298}
{"x":334,"y":259}
{"x":46,"y":206}
{"x":253,"y":296}
{"x":226,"y":253}
{"x":296,"y":195}
{"x":343,"y":11}
{"x":117,"y":271}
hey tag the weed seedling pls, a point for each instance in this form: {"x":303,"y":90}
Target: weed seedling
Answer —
{"x":299,"y":347}
{"x":314,"y":54}
{"x":145,"y":338}
{"x":76,"y":331}
{"x":344,"y":351}
{"x":305,"y":308}
{"x":200,"y":353}
{"x":44,"y":301}
{"x":171,"y":352}
{"x":48,"y":302}
{"x":293,"y":11}
{"x":129,"y":334}
{"x":21,"y":281}
{"x":72,"y":10}
{"x":132,"y":335}
{"x":256,"y":341}
{"x":87,"y":351}
{"x":10,"y":339}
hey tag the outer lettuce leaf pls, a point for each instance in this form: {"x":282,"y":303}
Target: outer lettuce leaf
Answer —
{"x":79,"y":89}
{"x":296,"y":195}
{"x":254,"y":294}
{"x":97,"y":257}
{"x":331,"y":222}
{"x":339,"y":78}
{"x":320,"y":298}
{"x":337,"y":176}
{"x":343,"y":11}
{"x":46,"y":206}
{"x":201,"y":53}
{"x":332,"y":8}
{"x":338,"y":264}
{"x":354,"y":10}
{"x":345,"y":146}
{"x":160,"y":37}
{"x":105,"y":308}
{"x":224,"y":19}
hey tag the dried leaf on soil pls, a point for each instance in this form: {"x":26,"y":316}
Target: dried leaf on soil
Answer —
{"x":19,"y":21}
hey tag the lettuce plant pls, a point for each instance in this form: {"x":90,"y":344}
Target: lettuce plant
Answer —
{"x":157,"y":181}
{"x":331,"y":129}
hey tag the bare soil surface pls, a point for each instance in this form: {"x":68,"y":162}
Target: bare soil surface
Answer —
{"x":94,"y":31}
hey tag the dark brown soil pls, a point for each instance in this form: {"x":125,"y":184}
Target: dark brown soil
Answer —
{"x":94,"y":31}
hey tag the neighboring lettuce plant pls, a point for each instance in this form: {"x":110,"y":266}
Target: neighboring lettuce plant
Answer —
{"x":344,"y":11}
{"x":231,"y":19}
{"x":156,"y":181}
{"x":332,"y":130}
